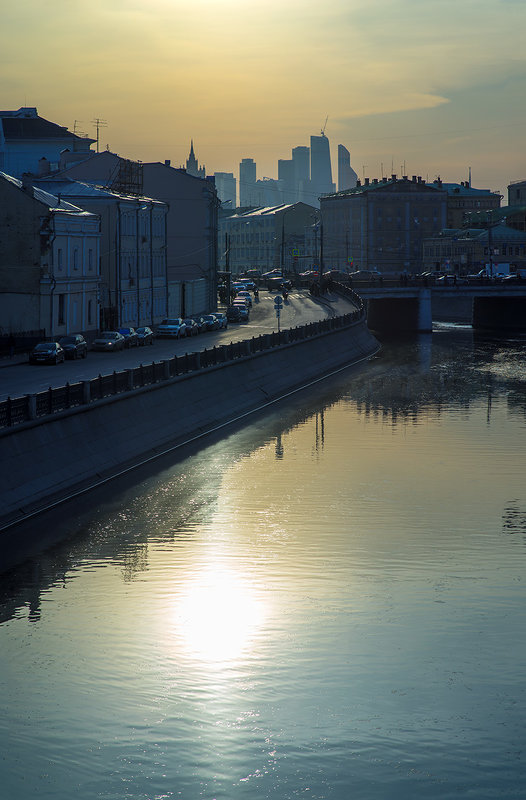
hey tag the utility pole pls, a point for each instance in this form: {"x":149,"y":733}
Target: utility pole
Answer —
{"x":490,"y":246}
{"x":227,"y":268}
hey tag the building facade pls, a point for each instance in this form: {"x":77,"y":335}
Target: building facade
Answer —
{"x":463,"y":199}
{"x":382,"y":224}
{"x":191,"y":223}
{"x":133,"y":282}
{"x":49,"y":263}
{"x":465,"y":251}
{"x":265,"y":238}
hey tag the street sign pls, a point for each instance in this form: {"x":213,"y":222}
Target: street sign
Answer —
{"x":278,"y":301}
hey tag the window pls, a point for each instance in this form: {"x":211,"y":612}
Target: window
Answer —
{"x":90,"y":259}
{"x":90,"y":311}
{"x":61,"y":307}
{"x":59,"y":259}
{"x":75,"y":258}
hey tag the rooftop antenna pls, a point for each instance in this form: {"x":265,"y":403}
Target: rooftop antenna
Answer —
{"x":76,"y":130}
{"x":99,"y":123}
{"x":323,"y":129}
{"x":469,"y":179}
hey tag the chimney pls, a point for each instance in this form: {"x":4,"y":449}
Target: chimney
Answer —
{"x":367,"y":181}
{"x":393,"y":177}
{"x":43,"y":166}
{"x":27,"y":183}
{"x":166,"y":162}
{"x":413,"y":178}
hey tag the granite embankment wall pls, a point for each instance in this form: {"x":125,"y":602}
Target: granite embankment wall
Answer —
{"x":47,"y":459}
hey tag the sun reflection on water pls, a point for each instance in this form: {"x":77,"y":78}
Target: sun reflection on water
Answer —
{"x":218,"y":615}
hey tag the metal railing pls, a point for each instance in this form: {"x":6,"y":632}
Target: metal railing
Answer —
{"x":17,"y":410}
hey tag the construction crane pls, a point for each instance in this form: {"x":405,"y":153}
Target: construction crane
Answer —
{"x":323,"y":129}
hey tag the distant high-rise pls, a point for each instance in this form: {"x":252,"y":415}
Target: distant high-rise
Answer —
{"x":347,"y":177}
{"x":192,"y":164}
{"x":320,"y":167}
{"x":226,"y":188}
{"x":247,"y":183}
{"x":286,"y":180}
{"x":301,"y":159}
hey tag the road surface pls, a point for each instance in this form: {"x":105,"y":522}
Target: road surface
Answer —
{"x":300,"y":308}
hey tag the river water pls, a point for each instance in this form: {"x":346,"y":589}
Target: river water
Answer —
{"x":327,"y":603}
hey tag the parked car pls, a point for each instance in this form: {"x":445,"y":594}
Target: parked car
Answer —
{"x":74,"y":346}
{"x":246,"y":283}
{"x":246,"y":295}
{"x":201,"y":323}
{"x":223,"y":320}
{"x":450,"y":280}
{"x":144,"y":335}
{"x":47,"y":353}
{"x":130,"y":337}
{"x":109,"y":340}
{"x":192,"y":328}
{"x":234,"y":314}
{"x":366,"y":275}
{"x":172,"y":328}
{"x":212,"y":322}
{"x":243,"y":309}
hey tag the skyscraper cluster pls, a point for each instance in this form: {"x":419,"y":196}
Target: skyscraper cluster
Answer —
{"x":305,"y":177}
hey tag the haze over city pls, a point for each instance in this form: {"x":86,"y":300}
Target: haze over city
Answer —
{"x":429,"y":88}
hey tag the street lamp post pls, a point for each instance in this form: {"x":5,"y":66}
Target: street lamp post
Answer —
{"x":282,"y":259}
{"x":319,"y":224}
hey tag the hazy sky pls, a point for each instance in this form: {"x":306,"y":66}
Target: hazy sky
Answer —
{"x":437,"y":85}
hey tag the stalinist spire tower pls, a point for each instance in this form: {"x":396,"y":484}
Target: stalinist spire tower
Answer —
{"x":192,"y":164}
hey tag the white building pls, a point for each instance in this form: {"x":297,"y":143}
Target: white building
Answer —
{"x":49,"y":263}
{"x":134,"y":288}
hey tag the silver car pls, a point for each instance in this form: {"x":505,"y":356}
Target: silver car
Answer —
{"x":109,"y":340}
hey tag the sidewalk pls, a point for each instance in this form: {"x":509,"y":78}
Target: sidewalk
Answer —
{"x":19,"y":358}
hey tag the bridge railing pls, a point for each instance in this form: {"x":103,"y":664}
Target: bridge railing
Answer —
{"x":17,"y":410}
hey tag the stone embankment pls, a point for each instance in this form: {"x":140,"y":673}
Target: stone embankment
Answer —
{"x":50,"y":458}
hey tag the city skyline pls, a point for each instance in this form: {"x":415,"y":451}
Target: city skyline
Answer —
{"x":429,"y":89}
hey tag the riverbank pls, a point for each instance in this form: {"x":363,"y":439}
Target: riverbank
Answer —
{"x":49,"y":460}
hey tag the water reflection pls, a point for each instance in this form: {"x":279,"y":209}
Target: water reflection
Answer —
{"x":321,"y":603}
{"x":217,"y":614}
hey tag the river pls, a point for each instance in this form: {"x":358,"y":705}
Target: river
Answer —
{"x":327,"y":603}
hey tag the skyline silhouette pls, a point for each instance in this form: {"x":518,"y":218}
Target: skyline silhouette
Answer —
{"x":438,"y":86}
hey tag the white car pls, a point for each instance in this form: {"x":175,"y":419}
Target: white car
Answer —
{"x":245,"y":295}
{"x":172,"y":328}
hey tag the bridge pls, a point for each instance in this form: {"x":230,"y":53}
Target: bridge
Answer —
{"x":495,"y":306}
